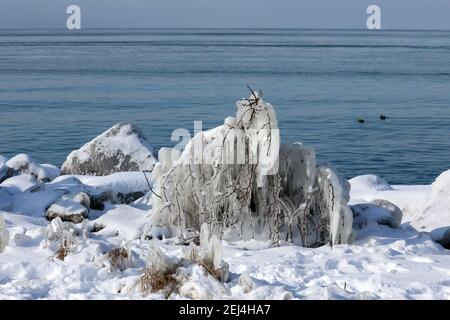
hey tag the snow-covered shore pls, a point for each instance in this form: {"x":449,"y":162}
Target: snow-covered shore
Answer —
{"x":383,"y":263}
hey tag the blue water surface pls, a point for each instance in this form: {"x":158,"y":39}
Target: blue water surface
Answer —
{"x":59,"y":89}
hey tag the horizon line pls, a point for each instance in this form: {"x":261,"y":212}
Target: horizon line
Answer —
{"x":222,"y":28}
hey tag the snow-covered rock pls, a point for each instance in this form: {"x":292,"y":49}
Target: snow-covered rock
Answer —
{"x":122,"y":187}
{"x":51,"y":171}
{"x":380,"y":212}
{"x":123,"y":147}
{"x":24,"y":183}
{"x":396,"y":213}
{"x":25,"y":164}
{"x":71,"y":208}
{"x":71,"y":184}
{"x":127,"y":186}
{"x":370,"y":181}
{"x":4,"y":234}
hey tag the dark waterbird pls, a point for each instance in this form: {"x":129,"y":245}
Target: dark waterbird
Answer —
{"x":361,"y":120}
{"x":382,"y":117}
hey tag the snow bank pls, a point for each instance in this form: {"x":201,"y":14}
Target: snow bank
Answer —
{"x":120,"y":148}
{"x":405,"y":260}
{"x":120,"y":182}
{"x":122,"y":221}
{"x":411,"y":200}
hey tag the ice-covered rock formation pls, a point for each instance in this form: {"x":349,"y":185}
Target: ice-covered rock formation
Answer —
{"x":120,"y":148}
{"x":237,"y":179}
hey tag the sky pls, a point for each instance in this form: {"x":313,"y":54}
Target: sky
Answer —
{"x":395,"y":14}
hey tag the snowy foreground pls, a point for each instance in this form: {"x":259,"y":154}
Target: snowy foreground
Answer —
{"x":382,"y":263}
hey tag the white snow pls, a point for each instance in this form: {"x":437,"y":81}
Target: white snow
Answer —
{"x":370,"y":181}
{"x":382,"y":263}
{"x":24,"y":182}
{"x":123,"y":182}
{"x":124,"y":222}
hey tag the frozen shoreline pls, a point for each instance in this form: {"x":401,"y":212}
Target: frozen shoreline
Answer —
{"x":383,"y":263}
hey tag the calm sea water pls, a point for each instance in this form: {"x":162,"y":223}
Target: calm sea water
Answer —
{"x":59,"y":89}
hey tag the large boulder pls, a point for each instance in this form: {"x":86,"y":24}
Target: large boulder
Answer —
{"x":120,"y":148}
{"x":25,"y":164}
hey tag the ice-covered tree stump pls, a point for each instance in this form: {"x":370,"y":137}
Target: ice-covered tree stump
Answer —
{"x":239,"y":180}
